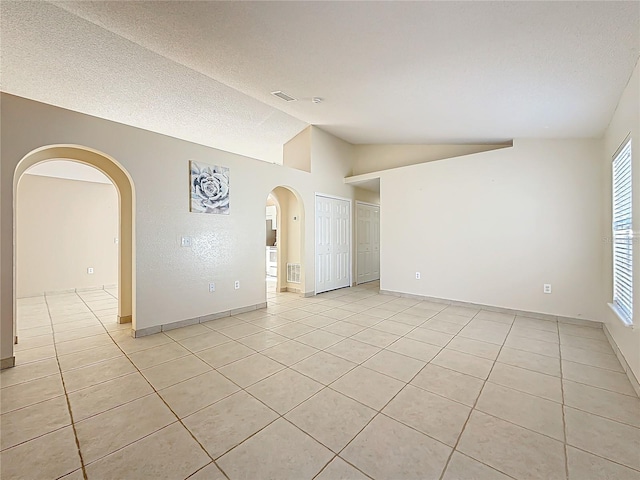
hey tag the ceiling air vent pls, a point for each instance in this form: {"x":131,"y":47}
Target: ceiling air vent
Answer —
{"x":283,"y":96}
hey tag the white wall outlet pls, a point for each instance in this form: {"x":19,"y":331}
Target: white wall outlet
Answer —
{"x":212,"y":287}
{"x":417,"y":275}
{"x":90,"y":270}
{"x":116,"y":240}
{"x":185,"y":241}
{"x":547,"y":288}
{"x":236,"y":285}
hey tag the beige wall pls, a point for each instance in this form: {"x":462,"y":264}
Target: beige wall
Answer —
{"x":64,"y":227}
{"x":296,"y":153}
{"x":172,"y":281}
{"x":373,"y":158}
{"x":493,"y":227}
{"x":488,"y":227}
{"x":625,"y":121}
{"x":367,"y":196}
{"x":293,"y":218}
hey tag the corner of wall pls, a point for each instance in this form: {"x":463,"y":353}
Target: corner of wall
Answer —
{"x":624,"y":122}
{"x":297,"y":151}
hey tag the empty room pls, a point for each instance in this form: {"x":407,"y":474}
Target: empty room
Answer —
{"x":328,"y":240}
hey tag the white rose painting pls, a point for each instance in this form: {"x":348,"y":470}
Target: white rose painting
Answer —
{"x":209,"y":188}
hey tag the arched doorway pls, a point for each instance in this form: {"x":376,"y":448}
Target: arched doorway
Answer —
{"x":126,"y":212}
{"x":286,"y":240}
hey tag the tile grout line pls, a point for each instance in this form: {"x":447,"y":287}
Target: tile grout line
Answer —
{"x":357,"y":401}
{"x":616,"y":462}
{"x":473,"y":408}
{"x":361,"y":364}
{"x":178,"y":419}
{"x":562,"y":405}
{"x":379,"y":412}
{"x":135,"y":366}
{"x":158,"y":396}
{"x":267,"y":329}
{"x":205,"y":466}
{"x":328,"y":386}
{"x":564,"y":421}
{"x":371,"y":326}
{"x":335,"y":455}
{"x":138,"y":371}
{"x":73,"y":424}
{"x":287,"y":339}
{"x":231,"y":340}
{"x":281,"y":416}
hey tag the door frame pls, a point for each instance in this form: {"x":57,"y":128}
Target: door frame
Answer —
{"x":358,"y":202}
{"x":315,"y":238}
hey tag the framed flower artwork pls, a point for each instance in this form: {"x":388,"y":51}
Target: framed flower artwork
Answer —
{"x":209,"y":188}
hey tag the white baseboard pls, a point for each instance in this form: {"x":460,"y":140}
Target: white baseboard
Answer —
{"x":69,"y":290}
{"x":491,"y":308}
{"x":7,"y":363}
{"x":143,"y":332}
{"x":543,"y":316}
{"x":623,"y":361}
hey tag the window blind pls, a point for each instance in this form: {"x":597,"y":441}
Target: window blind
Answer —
{"x":623,"y":234}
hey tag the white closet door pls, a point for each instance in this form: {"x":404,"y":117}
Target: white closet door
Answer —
{"x":333,"y":243}
{"x":342,"y":241}
{"x":375,"y":243}
{"x":323,"y":244}
{"x":363,"y":236}
{"x":368,"y":238}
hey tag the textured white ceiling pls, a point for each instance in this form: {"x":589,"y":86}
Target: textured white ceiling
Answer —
{"x":55,"y":57}
{"x":389,"y":72}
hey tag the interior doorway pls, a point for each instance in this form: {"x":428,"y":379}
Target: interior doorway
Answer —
{"x":368,"y":242}
{"x":271,"y":253}
{"x":284,"y":245}
{"x":124,"y":241}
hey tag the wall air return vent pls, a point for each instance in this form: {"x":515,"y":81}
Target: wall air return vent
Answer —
{"x":283,"y":96}
{"x":293,"y":273}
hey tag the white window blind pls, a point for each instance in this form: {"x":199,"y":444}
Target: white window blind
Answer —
{"x":622,"y":234}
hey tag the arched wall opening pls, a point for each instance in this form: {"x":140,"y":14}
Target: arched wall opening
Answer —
{"x":67,"y":233}
{"x":289,"y":238}
{"x":126,"y":217}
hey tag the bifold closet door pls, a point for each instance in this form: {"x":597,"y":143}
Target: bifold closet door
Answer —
{"x":333,"y":243}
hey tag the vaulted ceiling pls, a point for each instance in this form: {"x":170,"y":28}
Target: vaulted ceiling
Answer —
{"x":387,"y":72}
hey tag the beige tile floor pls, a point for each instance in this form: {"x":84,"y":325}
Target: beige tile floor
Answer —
{"x":349,"y":384}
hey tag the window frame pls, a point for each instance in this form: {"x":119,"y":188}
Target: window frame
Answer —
{"x":622,"y":233}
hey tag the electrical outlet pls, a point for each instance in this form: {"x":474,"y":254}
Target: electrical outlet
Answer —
{"x":212,"y":287}
{"x":236,"y":285}
{"x":546,"y":288}
{"x":185,"y":241}
{"x":116,"y":240}
{"x":417,"y":275}
{"x":90,"y":270}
